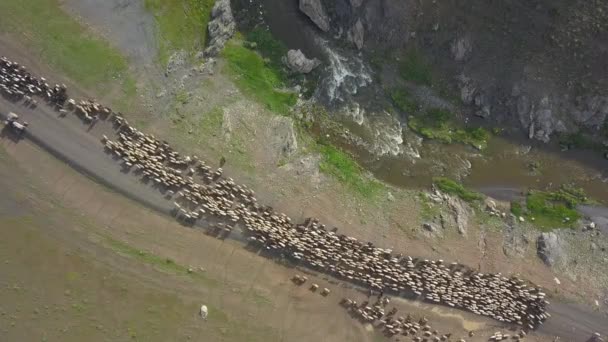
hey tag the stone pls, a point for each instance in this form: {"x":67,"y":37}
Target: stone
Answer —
{"x":297,"y":62}
{"x":356,"y":3}
{"x":221,"y":27}
{"x":490,"y":204}
{"x":521,"y":219}
{"x":390,"y":197}
{"x":460,"y":214}
{"x":316,"y":12}
{"x":430,"y":227}
{"x":176,"y":61}
{"x":356,"y":34}
{"x":467,"y":89}
{"x":461,"y":48}
{"x":549,"y":248}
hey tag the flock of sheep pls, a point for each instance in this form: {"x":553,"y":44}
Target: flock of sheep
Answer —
{"x":16,"y":84}
{"x":393,"y":325}
{"x":200,"y":192}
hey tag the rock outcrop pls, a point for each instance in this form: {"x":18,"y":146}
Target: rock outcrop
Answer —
{"x":356,"y":3}
{"x":221,"y":27}
{"x":356,"y":34}
{"x":316,"y":12}
{"x":549,"y":248}
{"x":297,"y":62}
{"x":461,"y":48}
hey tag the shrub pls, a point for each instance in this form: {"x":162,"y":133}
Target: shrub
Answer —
{"x":454,"y":188}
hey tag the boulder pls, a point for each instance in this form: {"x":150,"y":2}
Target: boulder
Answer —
{"x":461,"y":48}
{"x":356,"y":33}
{"x":430,"y":227}
{"x":467,"y":89}
{"x":316,"y":12}
{"x":297,"y":62}
{"x":221,"y":27}
{"x":460,"y":214}
{"x":549,"y":248}
{"x":356,"y":3}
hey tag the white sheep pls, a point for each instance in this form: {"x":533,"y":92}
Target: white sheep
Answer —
{"x":204,"y":312}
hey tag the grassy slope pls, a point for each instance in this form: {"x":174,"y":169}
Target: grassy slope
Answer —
{"x":63,"y":43}
{"x":254,"y":77}
{"x":437,"y":124}
{"x":452,"y":187}
{"x":182,"y":25}
{"x":342,"y":166}
{"x":552,"y":209}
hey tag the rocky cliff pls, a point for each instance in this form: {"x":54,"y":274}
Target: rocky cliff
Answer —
{"x":540,"y":66}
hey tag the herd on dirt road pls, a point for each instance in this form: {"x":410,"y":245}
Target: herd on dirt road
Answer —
{"x":201,"y":194}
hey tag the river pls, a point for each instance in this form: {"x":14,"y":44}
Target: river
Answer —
{"x":385,"y":146}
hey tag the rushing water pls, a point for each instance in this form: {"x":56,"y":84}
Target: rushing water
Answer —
{"x":384,"y":144}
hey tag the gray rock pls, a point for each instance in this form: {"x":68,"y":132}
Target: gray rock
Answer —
{"x":221,"y":27}
{"x":316,"y":12}
{"x":356,"y":3}
{"x":460,"y":214}
{"x":524,"y":107}
{"x":297,"y":62}
{"x":356,"y":34}
{"x":467,"y":89}
{"x":515,"y":242}
{"x":549,"y":248}
{"x":285,"y":140}
{"x":461,"y":48}
{"x":176,"y":61}
{"x":430,"y":227}
{"x":483,"y":103}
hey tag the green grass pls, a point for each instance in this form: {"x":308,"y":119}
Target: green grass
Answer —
{"x":181,"y":25}
{"x":415,"y":69}
{"x":437,"y":124}
{"x":552,"y":209}
{"x":403,"y":100}
{"x":343,"y":167}
{"x":452,"y":187}
{"x":268,"y":46}
{"x":549,"y":213}
{"x":65,"y":45}
{"x":257,"y":79}
{"x":428,"y":209}
{"x":516,"y":209}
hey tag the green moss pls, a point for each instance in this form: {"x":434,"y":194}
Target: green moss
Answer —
{"x":403,"y":100}
{"x":268,"y":45}
{"x":255,"y":78}
{"x":454,"y":188}
{"x":181,"y":25}
{"x":549,"y":212}
{"x":342,"y":166}
{"x":552,"y":209}
{"x":66,"y":46}
{"x":414,"y":68}
{"x":437,"y":124}
{"x":516,"y":209}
